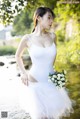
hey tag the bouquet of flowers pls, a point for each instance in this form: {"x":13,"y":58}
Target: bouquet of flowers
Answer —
{"x":58,"y":78}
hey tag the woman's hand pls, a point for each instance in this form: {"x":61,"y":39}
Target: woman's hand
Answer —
{"x":24,"y":79}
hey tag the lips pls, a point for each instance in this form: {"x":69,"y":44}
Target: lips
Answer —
{"x":50,"y":25}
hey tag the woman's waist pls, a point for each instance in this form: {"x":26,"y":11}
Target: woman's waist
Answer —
{"x":40,"y":74}
{"x":42,"y":69}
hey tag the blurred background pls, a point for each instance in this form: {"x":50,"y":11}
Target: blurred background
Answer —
{"x":16,"y":20}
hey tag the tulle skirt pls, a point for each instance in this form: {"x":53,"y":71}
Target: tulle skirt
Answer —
{"x":43,"y":100}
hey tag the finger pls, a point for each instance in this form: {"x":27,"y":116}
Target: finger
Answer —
{"x":23,"y":81}
{"x":22,"y":78}
{"x":27,"y":83}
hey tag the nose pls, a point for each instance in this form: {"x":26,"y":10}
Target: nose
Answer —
{"x":51,"y":20}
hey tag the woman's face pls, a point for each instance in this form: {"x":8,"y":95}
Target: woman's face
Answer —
{"x":46,"y":20}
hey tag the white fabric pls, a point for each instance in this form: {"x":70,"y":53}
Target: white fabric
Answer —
{"x":42,"y":100}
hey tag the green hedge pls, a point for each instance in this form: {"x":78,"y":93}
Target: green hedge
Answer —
{"x":68,"y":52}
{"x":7,"y":50}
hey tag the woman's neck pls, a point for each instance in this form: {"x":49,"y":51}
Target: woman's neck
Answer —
{"x":39,"y":31}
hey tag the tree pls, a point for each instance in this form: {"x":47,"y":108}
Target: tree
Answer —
{"x":64,"y":12}
{"x":22,"y":23}
{"x":10,"y":8}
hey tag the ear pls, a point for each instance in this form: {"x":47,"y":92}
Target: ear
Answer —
{"x":39,"y":18}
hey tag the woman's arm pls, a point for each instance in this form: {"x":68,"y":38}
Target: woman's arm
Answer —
{"x":53,"y":37}
{"x":19,"y":53}
{"x":56,"y":46}
{"x":55,"y":41}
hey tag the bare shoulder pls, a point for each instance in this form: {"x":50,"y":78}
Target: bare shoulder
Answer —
{"x":25,"y":37}
{"x":53,"y":37}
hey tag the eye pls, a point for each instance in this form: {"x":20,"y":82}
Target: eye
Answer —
{"x":49,"y":17}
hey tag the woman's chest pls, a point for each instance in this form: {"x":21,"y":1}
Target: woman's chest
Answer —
{"x":40,"y":41}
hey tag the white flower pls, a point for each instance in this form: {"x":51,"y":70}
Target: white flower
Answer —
{"x":55,"y":81}
{"x":54,"y":76}
{"x":58,"y":75}
{"x":49,"y":80}
{"x":62,"y":79}
{"x":59,"y":82}
{"x":60,"y":86}
{"x":58,"y":78}
{"x":62,"y":75}
{"x":49,"y":77}
{"x":64,"y":83}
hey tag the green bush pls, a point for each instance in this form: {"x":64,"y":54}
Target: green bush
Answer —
{"x":73,"y":47}
{"x":60,"y":35}
{"x":17,"y":40}
{"x":68,"y":52}
{"x":7,"y":50}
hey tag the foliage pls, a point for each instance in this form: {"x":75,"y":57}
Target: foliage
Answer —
{"x":22,"y":23}
{"x":60,"y":35}
{"x":10,"y":8}
{"x":69,"y":52}
{"x":74,"y":50}
{"x":65,"y":13}
{"x":7,"y":50}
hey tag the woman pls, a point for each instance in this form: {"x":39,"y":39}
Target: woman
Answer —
{"x":41,"y":98}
